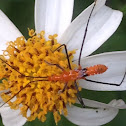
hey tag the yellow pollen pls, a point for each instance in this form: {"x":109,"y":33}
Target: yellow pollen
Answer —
{"x":31,"y":58}
{"x":31,"y":32}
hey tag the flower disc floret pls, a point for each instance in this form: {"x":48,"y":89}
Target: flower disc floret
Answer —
{"x":26,"y":60}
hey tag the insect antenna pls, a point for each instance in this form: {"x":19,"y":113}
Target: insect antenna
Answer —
{"x":20,"y":91}
{"x":18,"y":71}
{"x":85,"y":32}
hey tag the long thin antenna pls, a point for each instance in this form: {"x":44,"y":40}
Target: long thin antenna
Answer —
{"x":85,"y":33}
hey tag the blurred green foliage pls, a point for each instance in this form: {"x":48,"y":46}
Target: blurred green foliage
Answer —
{"x":21,"y":12}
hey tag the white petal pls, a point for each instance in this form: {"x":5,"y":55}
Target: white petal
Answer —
{"x":12,"y":117}
{"x":1,"y":100}
{"x":8,"y":32}
{"x":119,"y":104}
{"x":103,"y":24}
{"x":116,"y":63}
{"x":114,"y":103}
{"x":28,"y":113}
{"x":53,"y":16}
{"x":91,"y":117}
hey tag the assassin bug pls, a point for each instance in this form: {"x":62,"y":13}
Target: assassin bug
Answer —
{"x":71,"y":75}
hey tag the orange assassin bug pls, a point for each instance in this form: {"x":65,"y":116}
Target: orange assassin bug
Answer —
{"x":74,"y":75}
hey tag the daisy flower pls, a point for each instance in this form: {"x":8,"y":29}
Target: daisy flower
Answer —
{"x":26,"y":63}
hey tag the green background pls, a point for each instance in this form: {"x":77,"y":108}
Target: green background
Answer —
{"x":21,"y":12}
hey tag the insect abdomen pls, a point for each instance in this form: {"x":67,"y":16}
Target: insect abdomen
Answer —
{"x":96,"y":69}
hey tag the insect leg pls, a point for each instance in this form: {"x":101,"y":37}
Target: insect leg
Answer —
{"x":18,"y":71}
{"x":20,"y":91}
{"x":65,"y":47}
{"x":85,"y":32}
{"x":55,"y":65}
{"x":78,"y":92}
{"x":107,"y":83}
{"x":79,"y":95}
{"x":65,"y":86}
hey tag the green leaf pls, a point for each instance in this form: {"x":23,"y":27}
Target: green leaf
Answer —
{"x":124,"y":10}
{"x":49,"y":122}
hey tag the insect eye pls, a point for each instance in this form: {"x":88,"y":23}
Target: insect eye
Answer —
{"x":84,"y":69}
{"x":84,"y":72}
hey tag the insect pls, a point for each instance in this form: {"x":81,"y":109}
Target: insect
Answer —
{"x":71,"y":75}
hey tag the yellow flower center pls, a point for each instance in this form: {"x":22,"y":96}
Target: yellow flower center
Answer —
{"x":27,"y":60}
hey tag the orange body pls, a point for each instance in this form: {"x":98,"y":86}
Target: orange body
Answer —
{"x":79,"y":73}
{"x":96,"y":69}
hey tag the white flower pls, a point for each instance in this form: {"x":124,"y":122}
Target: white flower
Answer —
{"x":55,"y":17}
